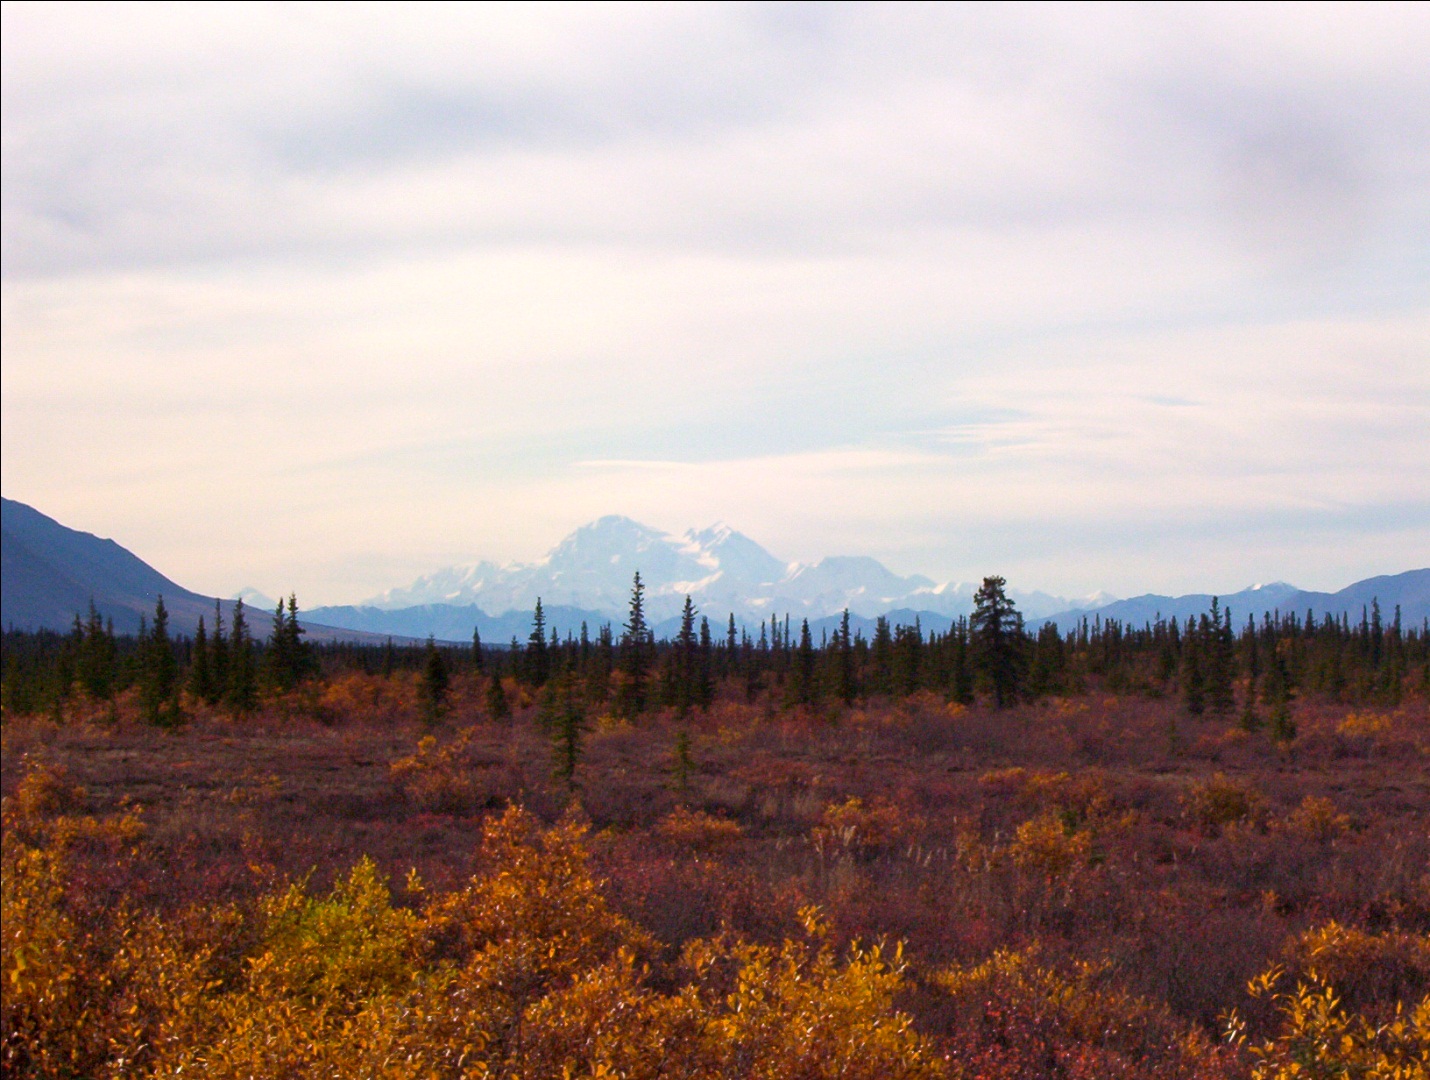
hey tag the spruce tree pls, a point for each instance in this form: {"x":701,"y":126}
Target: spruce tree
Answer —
{"x":961,"y":677}
{"x":802,"y":688}
{"x":881,"y":680}
{"x":218,"y":660}
{"x":634,"y":657}
{"x":200,"y":666}
{"x":98,"y":656}
{"x":241,"y":695}
{"x":538,"y":666}
{"x":908,"y":658}
{"x":1219,"y":668}
{"x":159,"y":673}
{"x":705,"y":667}
{"x":683,"y":662}
{"x":564,"y":715}
{"x":684,"y":764}
{"x":1193,"y":674}
{"x":996,"y":629}
{"x":498,"y":708}
{"x":277,"y":664}
{"x":844,"y":682}
{"x":435,"y":682}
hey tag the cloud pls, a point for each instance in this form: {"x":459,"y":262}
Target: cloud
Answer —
{"x":929,"y":282}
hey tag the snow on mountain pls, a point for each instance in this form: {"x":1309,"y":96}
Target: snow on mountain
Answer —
{"x":723,"y":570}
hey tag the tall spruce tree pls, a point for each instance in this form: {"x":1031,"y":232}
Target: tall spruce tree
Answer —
{"x":881,"y":679}
{"x":803,"y":688}
{"x":434,"y":684}
{"x":159,"y":673}
{"x":538,"y":658}
{"x":635,"y":656}
{"x":996,"y":629}
{"x":683,"y":659}
{"x":241,"y":694}
{"x":200,"y":665}
{"x":1220,"y":667}
{"x":705,"y":667}
{"x":845,"y":685}
{"x":218,"y":659}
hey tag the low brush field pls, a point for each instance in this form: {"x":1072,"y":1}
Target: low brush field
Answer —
{"x":1098,"y":886}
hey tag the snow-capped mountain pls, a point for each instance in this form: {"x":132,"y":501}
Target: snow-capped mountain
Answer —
{"x":721,"y":569}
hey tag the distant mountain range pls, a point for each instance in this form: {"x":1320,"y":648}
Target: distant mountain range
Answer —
{"x":723,"y":571}
{"x":51,"y":572}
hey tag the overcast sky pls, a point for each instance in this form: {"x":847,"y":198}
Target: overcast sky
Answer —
{"x":319,"y":298}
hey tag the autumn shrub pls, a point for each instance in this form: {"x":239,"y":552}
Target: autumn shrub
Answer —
{"x":1218,"y":802}
{"x":1365,"y":967}
{"x":1317,"y":1038}
{"x":439,"y":777}
{"x":89,"y":989}
{"x":1049,"y":846}
{"x":697,"y":831}
{"x":864,"y":828}
{"x":1021,"y":1013}
{"x":1316,"y":819}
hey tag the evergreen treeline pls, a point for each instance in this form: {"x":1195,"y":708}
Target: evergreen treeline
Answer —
{"x":1251,"y":670}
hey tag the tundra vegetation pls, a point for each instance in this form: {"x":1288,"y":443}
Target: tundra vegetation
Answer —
{"x":1166,"y":851}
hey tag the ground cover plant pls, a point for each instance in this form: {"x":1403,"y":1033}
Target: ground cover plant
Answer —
{"x":710,"y":858}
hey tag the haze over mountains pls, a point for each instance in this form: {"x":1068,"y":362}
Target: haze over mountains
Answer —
{"x":722,"y":570}
{"x":51,"y":572}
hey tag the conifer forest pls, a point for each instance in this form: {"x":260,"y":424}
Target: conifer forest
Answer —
{"x":1196,"y":849}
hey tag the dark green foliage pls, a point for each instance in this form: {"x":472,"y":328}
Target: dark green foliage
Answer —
{"x":705,"y":667}
{"x":881,"y":678}
{"x":287,"y":660}
{"x":680,"y":675}
{"x":1193,"y":677}
{"x":1219,"y":650}
{"x":563,"y":714}
{"x":435,"y":683}
{"x":241,"y":693}
{"x":996,"y":629}
{"x":201,"y":675}
{"x":1045,"y":674}
{"x":1277,"y":659}
{"x":498,"y":708}
{"x":159,"y":673}
{"x":538,"y":658}
{"x":635,"y":656}
{"x":98,"y":658}
{"x":908,"y":658}
{"x":960,"y":684}
{"x":846,"y":686}
{"x":218,"y":660}
{"x":1276,"y":693}
{"x":802,"y":688}
{"x":684,"y":764}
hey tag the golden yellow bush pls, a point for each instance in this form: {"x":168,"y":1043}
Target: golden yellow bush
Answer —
{"x":1316,"y":819}
{"x":864,"y":828}
{"x":437,"y":777}
{"x":527,"y":972}
{"x":696,"y":830}
{"x":1048,"y":845}
{"x":1317,"y":1038}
